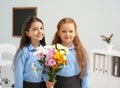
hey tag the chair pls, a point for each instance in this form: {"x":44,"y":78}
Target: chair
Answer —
{"x":9,"y":51}
{"x":7,"y":48}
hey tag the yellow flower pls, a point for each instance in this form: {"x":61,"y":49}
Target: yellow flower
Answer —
{"x":35,"y":69}
{"x":59,"y":57}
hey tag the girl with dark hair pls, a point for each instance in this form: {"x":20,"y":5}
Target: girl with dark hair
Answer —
{"x":28,"y":71}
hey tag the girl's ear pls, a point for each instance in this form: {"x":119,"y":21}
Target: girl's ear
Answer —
{"x":27,"y":33}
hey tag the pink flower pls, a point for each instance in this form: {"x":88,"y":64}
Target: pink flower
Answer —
{"x":50,"y":62}
{"x":40,"y":56}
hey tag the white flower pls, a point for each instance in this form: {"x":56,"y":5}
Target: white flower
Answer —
{"x":33,"y":65}
{"x":40,"y":50}
{"x":61,"y":47}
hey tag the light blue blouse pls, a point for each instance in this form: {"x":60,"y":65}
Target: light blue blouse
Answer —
{"x":25,"y":65}
{"x":72,"y":68}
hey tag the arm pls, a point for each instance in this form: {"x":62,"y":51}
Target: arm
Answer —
{"x":19,"y":68}
{"x":85,"y":79}
{"x":49,"y":84}
{"x":45,"y":78}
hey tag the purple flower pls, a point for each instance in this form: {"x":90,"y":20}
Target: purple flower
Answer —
{"x":50,"y":62}
{"x":40,"y":56}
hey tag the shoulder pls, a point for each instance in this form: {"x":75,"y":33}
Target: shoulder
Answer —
{"x":22,"y":51}
{"x":22,"y":54}
{"x":25,"y":49}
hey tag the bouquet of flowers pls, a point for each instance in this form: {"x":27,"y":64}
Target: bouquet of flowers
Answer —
{"x":52,"y":58}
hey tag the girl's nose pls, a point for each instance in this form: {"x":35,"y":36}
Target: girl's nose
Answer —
{"x":67,"y":33}
{"x":40,"y":30}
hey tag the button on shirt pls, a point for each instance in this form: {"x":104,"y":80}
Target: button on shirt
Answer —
{"x":72,"y":68}
{"x":25,"y":66}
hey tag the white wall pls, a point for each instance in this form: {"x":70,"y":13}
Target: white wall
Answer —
{"x":93,"y":17}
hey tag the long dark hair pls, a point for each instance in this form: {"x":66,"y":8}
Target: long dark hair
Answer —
{"x":25,"y":40}
{"x":80,"y":50}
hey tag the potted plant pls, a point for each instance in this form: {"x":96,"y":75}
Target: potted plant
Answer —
{"x":107,"y":39}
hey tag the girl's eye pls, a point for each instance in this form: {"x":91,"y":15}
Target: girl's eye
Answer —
{"x":70,"y":31}
{"x":63,"y":31}
{"x":35,"y":29}
{"x":41,"y":28}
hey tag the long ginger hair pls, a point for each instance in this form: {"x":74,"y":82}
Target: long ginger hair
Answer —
{"x":81,"y":53}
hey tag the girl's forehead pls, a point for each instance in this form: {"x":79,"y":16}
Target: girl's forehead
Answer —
{"x":68,"y":25}
{"x":35,"y":23}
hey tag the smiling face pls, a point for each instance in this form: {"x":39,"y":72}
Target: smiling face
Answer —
{"x":36,"y":32}
{"x":67,"y":33}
